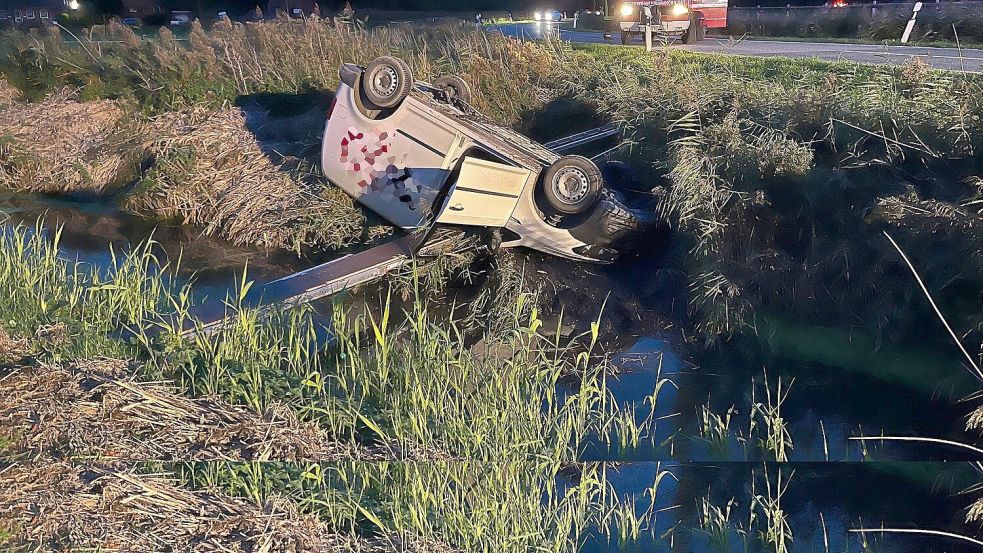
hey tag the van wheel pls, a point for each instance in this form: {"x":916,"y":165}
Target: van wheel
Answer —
{"x":455,"y":89}
{"x":386,"y":82}
{"x":696,"y":31}
{"x":572,"y":184}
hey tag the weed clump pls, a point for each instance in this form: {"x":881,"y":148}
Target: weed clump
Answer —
{"x":8,"y":94}
{"x":12,"y":349}
{"x":98,"y":409}
{"x":61,"y":145}
{"x":96,"y":506}
{"x":210,"y":170}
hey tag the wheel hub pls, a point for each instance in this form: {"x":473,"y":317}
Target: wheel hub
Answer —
{"x":386,"y":81}
{"x":570,"y":185}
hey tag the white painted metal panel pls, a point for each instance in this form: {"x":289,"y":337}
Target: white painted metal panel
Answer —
{"x":485,"y":194}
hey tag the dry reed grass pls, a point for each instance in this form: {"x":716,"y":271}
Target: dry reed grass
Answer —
{"x":975,"y":512}
{"x":279,"y":56}
{"x":97,"y":409}
{"x":11,"y":349}
{"x":211,"y":171}
{"x":61,"y":506}
{"x":61,"y":145}
{"x":927,"y":214}
{"x":975,"y":422}
{"x":8,"y":94}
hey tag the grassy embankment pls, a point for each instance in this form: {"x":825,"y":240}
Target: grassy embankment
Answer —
{"x":777,"y":174}
{"x":781,"y":177}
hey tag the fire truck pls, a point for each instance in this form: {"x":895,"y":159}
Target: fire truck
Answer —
{"x":687,"y":20}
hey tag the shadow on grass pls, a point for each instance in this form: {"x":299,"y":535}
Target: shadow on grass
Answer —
{"x":288,"y":127}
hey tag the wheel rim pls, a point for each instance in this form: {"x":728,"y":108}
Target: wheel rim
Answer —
{"x":570,"y":185}
{"x":385,"y":81}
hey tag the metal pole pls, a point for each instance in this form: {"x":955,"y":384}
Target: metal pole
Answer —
{"x":911,"y":23}
{"x":648,"y":37}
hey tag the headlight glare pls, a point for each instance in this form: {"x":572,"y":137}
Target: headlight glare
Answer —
{"x":627,"y":9}
{"x":679,"y":9}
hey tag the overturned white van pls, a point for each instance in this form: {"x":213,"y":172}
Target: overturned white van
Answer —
{"x":417,"y":154}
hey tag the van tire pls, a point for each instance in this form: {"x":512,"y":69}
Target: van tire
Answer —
{"x":455,"y":89}
{"x":697,"y":30}
{"x":386,"y":82}
{"x":572,"y":185}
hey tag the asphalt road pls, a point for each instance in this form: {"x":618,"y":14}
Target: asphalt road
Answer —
{"x":940,"y":58}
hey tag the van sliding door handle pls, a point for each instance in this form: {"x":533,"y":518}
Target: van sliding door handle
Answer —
{"x":456,"y":207}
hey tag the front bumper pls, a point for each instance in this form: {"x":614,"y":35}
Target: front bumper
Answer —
{"x":664,"y":28}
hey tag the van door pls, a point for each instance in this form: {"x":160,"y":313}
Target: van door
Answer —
{"x":484,"y":194}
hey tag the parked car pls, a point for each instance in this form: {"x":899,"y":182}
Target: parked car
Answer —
{"x":417,"y":153}
{"x":181,"y":18}
{"x":548,"y":15}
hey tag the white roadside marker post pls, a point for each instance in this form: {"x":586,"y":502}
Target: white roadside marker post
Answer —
{"x":911,"y":23}
{"x":648,"y":29}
